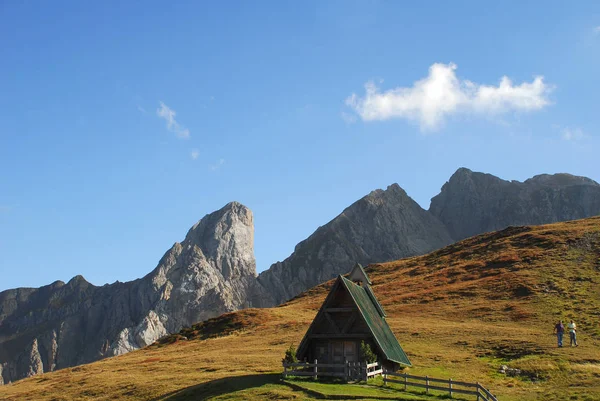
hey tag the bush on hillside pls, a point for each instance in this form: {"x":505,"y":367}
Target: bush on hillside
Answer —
{"x":366,"y":353}
{"x":290,"y":355}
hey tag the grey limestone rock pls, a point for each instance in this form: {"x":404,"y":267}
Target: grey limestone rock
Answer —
{"x":384,"y":225}
{"x":63,"y":325}
{"x":472,"y":203}
{"x":213,"y":270}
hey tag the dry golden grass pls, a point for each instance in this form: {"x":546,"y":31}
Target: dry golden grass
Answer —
{"x":459,"y":312}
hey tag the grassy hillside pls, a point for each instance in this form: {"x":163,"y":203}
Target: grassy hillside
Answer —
{"x":459,"y":312}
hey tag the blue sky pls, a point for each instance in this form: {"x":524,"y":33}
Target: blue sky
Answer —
{"x":124,"y":124}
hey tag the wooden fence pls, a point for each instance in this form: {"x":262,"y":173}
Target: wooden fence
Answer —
{"x":346,"y":370}
{"x":450,"y":386}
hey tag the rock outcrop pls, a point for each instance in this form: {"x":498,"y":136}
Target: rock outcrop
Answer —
{"x":62,"y":325}
{"x":384,"y":225}
{"x":472,"y":203}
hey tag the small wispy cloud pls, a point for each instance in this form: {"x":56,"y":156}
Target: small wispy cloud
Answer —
{"x":348,"y":118}
{"x":168,"y":114}
{"x":431,"y":100}
{"x":217,"y":165}
{"x":141,"y":109}
{"x":572,"y":134}
{"x":597,"y":29}
{"x":194,"y":154}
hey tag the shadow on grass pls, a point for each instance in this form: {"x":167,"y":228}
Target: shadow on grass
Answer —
{"x":219,"y":387}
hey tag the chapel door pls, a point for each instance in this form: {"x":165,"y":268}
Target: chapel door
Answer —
{"x":350,"y":351}
{"x":337,"y":348}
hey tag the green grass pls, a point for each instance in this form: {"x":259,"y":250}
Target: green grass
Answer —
{"x":234,"y":388}
{"x":270,"y":386}
{"x":373,"y":390}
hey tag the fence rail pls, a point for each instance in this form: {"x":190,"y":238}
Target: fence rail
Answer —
{"x":481,"y":392}
{"x":347,"y":370}
{"x":363,"y":371}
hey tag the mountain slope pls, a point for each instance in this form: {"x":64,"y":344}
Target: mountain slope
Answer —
{"x":384,"y":225}
{"x":387,"y":225}
{"x":63,"y":325}
{"x":460,"y":312}
{"x":213,"y":270}
{"x":471,"y":203}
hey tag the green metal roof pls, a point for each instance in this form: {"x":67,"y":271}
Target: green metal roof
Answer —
{"x":376,"y":303}
{"x":358,"y":268}
{"x":358,"y":273}
{"x":384,"y":337}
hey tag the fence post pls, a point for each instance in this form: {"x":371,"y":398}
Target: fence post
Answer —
{"x":346,"y":369}
{"x":478,"y":385}
{"x":450,"y":386}
{"x":426,"y":384}
{"x":284,"y":371}
{"x":315,"y":371}
{"x":405,"y":379}
{"x":384,"y":374}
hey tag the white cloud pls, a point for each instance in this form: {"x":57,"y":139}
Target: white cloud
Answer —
{"x":168,"y":115}
{"x":441,"y":94}
{"x":141,"y":109}
{"x":217,"y":165}
{"x":572,"y":134}
{"x":597,"y":29}
{"x":194,"y":154}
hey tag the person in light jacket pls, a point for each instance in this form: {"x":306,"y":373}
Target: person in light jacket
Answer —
{"x":573,"y":333}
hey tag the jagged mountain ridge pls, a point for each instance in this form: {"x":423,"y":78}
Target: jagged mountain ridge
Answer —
{"x":62,"y":325}
{"x":213,"y":270}
{"x":382,"y":226}
{"x":472,"y":203}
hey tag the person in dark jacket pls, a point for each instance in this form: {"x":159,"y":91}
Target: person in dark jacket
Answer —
{"x":559,"y":329}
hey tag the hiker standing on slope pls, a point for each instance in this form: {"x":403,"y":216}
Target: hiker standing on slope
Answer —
{"x":573,"y":333}
{"x":559,"y":329}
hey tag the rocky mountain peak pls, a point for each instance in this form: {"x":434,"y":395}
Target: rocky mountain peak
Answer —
{"x":464,"y":175}
{"x":560,"y":179}
{"x":384,"y":225}
{"x":462,"y":172}
{"x":392,"y":191}
{"x":472,"y":203}
{"x":77,"y":281}
{"x":392,"y":195}
{"x":62,"y":325}
{"x":228,"y":213}
{"x":226,"y":237}
{"x":57,"y":284}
